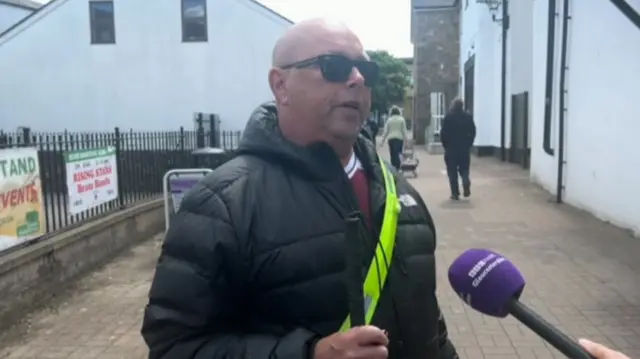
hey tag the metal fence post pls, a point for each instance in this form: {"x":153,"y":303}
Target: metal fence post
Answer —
{"x":216,"y":119}
{"x":181,"y":138}
{"x":212,"y":130}
{"x":200,"y":131}
{"x":26,"y":136}
{"x":119,"y":167}
{"x":182,"y":159}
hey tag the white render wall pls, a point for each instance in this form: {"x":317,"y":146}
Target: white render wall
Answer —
{"x":482,"y":37}
{"x":520,"y":75}
{"x":54,"y":79}
{"x":602,"y":122}
{"x":603,"y":113}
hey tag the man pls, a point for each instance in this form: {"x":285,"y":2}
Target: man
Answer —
{"x":252,"y":265}
{"x":599,"y":351}
{"x":457,"y":135}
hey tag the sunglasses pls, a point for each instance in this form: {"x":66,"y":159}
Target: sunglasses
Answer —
{"x":337,"y":68}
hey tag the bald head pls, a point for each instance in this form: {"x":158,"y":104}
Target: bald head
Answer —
{"x":300,"y":40}
{"x":312,"y":107}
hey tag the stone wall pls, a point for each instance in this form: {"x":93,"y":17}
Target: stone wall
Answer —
{"x":436,"y":37}
{"x":31,"y":276}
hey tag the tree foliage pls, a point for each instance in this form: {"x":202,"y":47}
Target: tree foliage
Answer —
{"x":393,"y":82}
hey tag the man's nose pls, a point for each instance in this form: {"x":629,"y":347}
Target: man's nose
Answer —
{"x":355,"y":78}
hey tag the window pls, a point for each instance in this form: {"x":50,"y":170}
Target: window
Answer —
{"x":194,"y":20}
{"x":103,"y":28}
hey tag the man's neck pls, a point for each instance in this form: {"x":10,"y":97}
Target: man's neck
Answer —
{"x":303,"y":136}
{"x":344,"y":153}
{"x":342,"y":147}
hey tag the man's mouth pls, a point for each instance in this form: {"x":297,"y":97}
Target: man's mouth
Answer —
{"x":354,"y":105}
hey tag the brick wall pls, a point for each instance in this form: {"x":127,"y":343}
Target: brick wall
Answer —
{"x":436,"y":37}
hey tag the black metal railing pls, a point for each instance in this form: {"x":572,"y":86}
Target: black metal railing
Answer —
{"x":142,"y":158}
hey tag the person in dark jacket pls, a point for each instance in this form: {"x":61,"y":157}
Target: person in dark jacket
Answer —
{"x":370,"y":130}
{"x":252,"y":264}
{"x":457,"y":135}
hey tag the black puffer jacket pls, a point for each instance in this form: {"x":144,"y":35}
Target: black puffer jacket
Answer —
{"x":458,"y":131}
{"x":252,"y":265}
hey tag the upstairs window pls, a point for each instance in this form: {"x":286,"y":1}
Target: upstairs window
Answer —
{"x":194,"y":20}
{"x":103,"y":28}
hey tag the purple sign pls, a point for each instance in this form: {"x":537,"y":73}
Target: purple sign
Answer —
{"x":181,"y":185}
{"x":175,"y":184}
{"x":178,"y":186}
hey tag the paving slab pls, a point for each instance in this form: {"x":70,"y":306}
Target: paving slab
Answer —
{"x":98,"y":317}
{"x":582,"y":275}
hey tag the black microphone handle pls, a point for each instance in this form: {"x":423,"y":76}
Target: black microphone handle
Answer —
{"x":354,"y":271}
{"x":546,"y":331}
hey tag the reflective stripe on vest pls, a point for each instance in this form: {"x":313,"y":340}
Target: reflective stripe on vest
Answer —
{"x":376,"y":277}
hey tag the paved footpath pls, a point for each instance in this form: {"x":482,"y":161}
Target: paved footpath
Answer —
{"x":582,"y":275}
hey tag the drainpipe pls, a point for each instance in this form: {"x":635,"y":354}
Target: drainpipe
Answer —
{"x":561,"y":101}
{"x":503,"y":84}
{"x":548,"y":92}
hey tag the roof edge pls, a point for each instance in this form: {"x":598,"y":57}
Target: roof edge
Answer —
{"x":44,"y":6}
{"x":22,"y":5}
{"x":272,"y":11}
{"x":26,"y":18}
{"x":455,"y":4}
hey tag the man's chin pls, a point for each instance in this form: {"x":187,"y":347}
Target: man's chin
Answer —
{"x":343,"y":136}
{"x":350,"y":132}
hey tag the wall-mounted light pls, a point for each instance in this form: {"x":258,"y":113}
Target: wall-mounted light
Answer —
{"x":494,"y":7}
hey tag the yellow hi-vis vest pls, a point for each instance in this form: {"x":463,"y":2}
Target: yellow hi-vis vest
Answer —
{"x":376,"y":277}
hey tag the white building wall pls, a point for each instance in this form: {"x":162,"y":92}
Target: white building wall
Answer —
{"x":482,"y":37}
{"x":9,"y":15}
{"x":543,"y":166}
{"x":148,"y":80}
{"x":469,"y":27}
{"x":520,"y":41}
{"x":473,"y":42}
{"x":603,"y":116}
{"x":520,"y":54}
{"x":495,"y":102}
{"x":602,"y":110}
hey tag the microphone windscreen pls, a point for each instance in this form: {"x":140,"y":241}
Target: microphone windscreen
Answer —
{"x":486,"y":281}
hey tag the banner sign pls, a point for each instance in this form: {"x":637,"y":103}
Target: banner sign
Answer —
{"x":92,"y":178}
{"x":22,"y":215}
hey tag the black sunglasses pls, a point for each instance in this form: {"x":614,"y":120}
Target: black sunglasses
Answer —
{"x":337,"y":68}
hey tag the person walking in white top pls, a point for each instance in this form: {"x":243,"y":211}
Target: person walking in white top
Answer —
{"x":395,"y":130}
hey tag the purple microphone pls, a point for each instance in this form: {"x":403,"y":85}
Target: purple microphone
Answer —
{"x":492,"y":285}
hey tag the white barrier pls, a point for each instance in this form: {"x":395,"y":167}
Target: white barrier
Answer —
{"x":175,"y":184}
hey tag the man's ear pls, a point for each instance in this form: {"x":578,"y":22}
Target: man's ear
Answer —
{"x":278,"y":84}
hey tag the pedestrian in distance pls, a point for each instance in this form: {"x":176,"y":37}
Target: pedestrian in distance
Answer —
{"x":457,"y":135}
{"x":395,"y":133}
